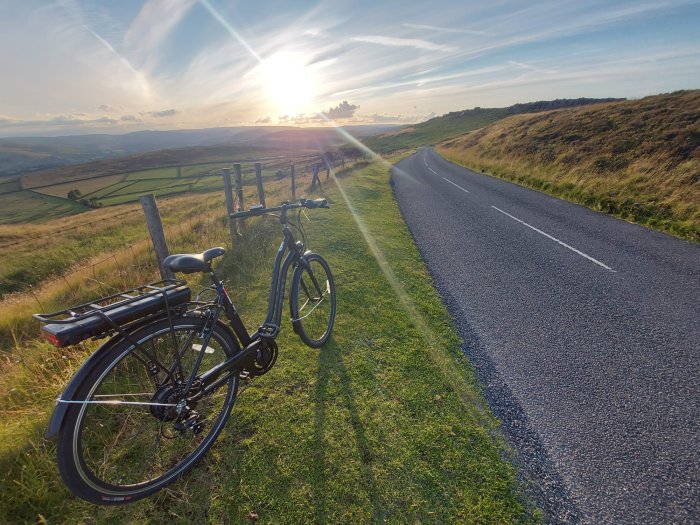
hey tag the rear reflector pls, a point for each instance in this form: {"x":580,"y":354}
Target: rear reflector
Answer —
{"x":53,"y":339}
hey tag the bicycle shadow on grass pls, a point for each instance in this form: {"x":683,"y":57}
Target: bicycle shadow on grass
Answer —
{"x":331,"y":366}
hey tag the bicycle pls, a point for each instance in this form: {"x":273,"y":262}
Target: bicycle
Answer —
{"x":151,"y":400}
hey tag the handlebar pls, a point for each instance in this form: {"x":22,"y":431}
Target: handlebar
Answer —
{"x":258,"y":210}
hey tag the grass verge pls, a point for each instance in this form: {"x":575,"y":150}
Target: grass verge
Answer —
{"x":384,"y":424}
{"x":638,"y":160}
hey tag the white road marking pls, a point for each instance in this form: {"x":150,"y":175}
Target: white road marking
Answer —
{"x":460,"y":187}
{"x":431,"y":169}
{"x":556,"y":240}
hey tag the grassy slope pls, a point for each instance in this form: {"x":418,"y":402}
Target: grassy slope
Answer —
{"x":459,"y":122}
{"x":639,"y":160}
{"x":385,"y":424}
{"x":436,"y":130}
{"x":62,"y":243}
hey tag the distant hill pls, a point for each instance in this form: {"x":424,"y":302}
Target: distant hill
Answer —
{"x":453,"y":124}
{"x":637,"y":159}
{"x":20,"y":155}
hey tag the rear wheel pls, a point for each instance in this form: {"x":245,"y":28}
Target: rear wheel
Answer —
{"x":312,"y":300}
{"x":137,"y":432}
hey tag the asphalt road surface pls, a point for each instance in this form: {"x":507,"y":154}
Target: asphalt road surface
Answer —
{"x":585,"y":332}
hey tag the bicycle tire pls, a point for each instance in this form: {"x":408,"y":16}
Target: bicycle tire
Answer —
{"x":313,"y":307}
{"x":118,"y":453}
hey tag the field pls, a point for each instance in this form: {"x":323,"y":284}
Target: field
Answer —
{"x":385,"y":424}
{"x":109,"y":183}
{"x":639,"y":160}
{"x":32,"y":221}
{"x":28,"y":206}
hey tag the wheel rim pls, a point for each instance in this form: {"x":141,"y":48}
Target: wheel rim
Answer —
{"x":315,"y":303}
{"x":126,"y":446}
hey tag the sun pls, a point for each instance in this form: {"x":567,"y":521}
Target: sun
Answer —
{"x":289,"y":84}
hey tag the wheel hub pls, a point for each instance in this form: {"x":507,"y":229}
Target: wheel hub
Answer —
{"x":167,"y":394}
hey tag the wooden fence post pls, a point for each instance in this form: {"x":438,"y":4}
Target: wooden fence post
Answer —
{"x":315,"y":178}
{"x":155,"y":229}
{"x":228,"y":192}
{"x":294,"y":185}
{"x":239,"y":185}
{"x":258,"y":180}
{"x":239,"y":195}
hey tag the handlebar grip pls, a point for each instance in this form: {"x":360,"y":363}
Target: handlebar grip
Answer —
{"x":258,"y":209}
{"x":317,"y":203}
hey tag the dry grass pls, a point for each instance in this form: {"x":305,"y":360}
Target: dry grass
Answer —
{"x":639,"y":160}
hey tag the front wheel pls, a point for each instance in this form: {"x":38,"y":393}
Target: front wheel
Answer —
{"x":136,"y":431}
{"x":312,"y":299}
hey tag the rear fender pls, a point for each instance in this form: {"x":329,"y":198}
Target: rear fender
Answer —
{"x":68,"y":394}
{"x":59,"y":411}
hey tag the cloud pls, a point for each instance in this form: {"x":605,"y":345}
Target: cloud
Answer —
{"x":71,"y":120}
{"x":312,"y":32}
{"x":342,"y":110}
{"x":130,"y":118}
{"x":403,"y":42}
{"x":447,"y":29}
{"x":529,"y":67}
{"x":301,"y":118}
{"x":263,"y":120}
{"x":164,"y":113}
{"x":56,"y":122}
{"x":153,"y":26}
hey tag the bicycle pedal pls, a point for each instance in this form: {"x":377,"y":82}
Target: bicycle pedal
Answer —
{"x":244,"y":375}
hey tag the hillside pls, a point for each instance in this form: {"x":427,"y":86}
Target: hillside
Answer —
{"x":458,"y":122}
{"x":23,"y":154}
{"x":639,"y":159}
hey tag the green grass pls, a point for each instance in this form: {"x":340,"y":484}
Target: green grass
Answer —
{"x":29,"y":207}
{"x":165,"y":173}
{"x":436,"y":130}
{"x":9,"y":184}
{"x":88,"y":188}
{"x":384,"y":424}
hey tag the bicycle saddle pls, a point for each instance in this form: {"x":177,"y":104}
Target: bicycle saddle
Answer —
{"x":192,"y":262}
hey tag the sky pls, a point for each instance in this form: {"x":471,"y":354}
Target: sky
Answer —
{"x":87,"y":66}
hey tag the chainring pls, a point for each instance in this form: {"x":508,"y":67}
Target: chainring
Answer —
{"x":265,"y":357}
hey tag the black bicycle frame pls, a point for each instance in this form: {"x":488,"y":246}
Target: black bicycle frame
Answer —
{"x":211,"y":379}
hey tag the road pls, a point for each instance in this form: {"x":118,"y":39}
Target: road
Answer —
{"x":585,"y":332}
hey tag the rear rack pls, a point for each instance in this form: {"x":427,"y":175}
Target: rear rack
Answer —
{"x":102,"y":316}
